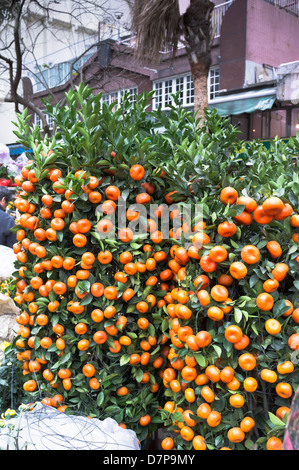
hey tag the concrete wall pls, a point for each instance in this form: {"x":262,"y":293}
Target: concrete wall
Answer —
{"x":233,"y":46}
{"x":254,"y":33}
{"x":272,"y":34}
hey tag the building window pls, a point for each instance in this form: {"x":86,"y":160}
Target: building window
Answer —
{"x":214,"y":82}
{"x":183,"y":85}
{"x":189,"y":90}
{"x":167,"y":92}
{"x":105,"y":98}
{"x":38,"y":121}
{"x":278,"y":123}
{"x":56,"y":75}
{"x":260,"y":125}
{"x":158,"y":97}
{"x":117,"y":96}
{"x":179,"y":84}
{"x":165,"y":88}
{"x":295,"y":122}
{"x":114,"y":98}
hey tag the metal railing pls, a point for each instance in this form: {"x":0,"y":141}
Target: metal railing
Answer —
{"x":291,"y":6}
{"x":217,"y":16}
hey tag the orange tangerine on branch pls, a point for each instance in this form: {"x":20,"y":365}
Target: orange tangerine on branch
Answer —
{"x":273,"y":206}
{"x":238,"y":270}
{"x":228,"y":195}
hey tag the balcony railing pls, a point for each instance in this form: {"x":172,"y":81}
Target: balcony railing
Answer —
{"x":291,"y":6}
{"x":217,"y":16}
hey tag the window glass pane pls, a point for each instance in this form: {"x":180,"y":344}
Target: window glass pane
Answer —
{"x":50,"y":122}
{"x":37,"y":120}
{"x":181,"y":84}
{"x":256,"y":126}
{"x":189,"y":90}
{"x":58,"y":74}
{"x":158,"y":94}
{"x":117,"y":96}
{"x":114,"y":97}
{"x":214,"y":82}
{"x":278,"y":123}
{"x":179,"y":87}
{"x":295,"y":122}
{"x":133,"y":94}
{"x":168,"y":91}
{"x":105,"y":98}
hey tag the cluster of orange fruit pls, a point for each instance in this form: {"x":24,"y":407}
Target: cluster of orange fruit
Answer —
{"x":169,"y":313}
{"x":195,"y":387}
{"x":67,"y":285}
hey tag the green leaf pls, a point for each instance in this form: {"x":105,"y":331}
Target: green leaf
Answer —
{"x":238,"y":314}
{"x":83,"y":286}
{"x":275,"y":420}
{"x":280,"y":308}
{"x":87,"y":299}
{"x":100,"y":398}
{"x":217,"y":349}
{"x":65,"y":358}
{"x":200,"y":359}
{"x":124,"y":359}
{"x":253,"y":280}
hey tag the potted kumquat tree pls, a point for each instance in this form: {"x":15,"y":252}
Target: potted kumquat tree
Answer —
{"x":157,"y":273}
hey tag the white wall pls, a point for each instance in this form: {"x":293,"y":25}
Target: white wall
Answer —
{"x":7,"y":115}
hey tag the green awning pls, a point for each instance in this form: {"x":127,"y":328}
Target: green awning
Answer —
{"x":246,"y":102}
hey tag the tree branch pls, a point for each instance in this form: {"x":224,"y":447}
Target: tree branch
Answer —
{"x":11,"y":81}
{"x":18,"y":74}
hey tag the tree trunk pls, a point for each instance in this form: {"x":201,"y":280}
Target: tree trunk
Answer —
{"x":198,"y":39}
{"x":200,"y":74}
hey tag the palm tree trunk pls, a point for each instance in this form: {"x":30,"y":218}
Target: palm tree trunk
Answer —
{"x":198,"y":38}
{"x":159,"y":25}
{"x":200,"y":74}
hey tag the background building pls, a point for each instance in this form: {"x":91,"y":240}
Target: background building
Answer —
{"x":55,"y":41}
{"x":255,"y":41}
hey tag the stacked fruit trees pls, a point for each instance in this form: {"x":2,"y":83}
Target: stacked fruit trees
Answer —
{"x":136,"y":306}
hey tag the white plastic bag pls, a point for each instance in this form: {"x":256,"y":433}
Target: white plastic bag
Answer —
{"x":7,"y":260}
{"x":46,"y":428}
{"x":21,"y":161}
{"x":7,"y":305}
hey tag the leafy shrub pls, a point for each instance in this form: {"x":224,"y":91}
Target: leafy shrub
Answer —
{"x":135,"y":353}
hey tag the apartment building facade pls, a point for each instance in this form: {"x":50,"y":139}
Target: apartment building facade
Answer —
{"x":55,"y":41}
{"x":253,"y":42}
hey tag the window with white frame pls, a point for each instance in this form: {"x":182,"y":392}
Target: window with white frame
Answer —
{"x":179,"y":87}
{"x":189,"y":90}
{"x":183,"y":85}
{"x":158,"y":96}
{"x":214,"y":82}
{"x":168,"y":84}
{"x":38,"y":121}
{"x":117,"y":96}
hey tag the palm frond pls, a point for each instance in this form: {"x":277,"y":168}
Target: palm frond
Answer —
{"x":156,"y":26}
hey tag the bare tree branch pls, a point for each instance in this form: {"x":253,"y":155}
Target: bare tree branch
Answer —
{"x":22,"y":25}
{"x":18,"y":74}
